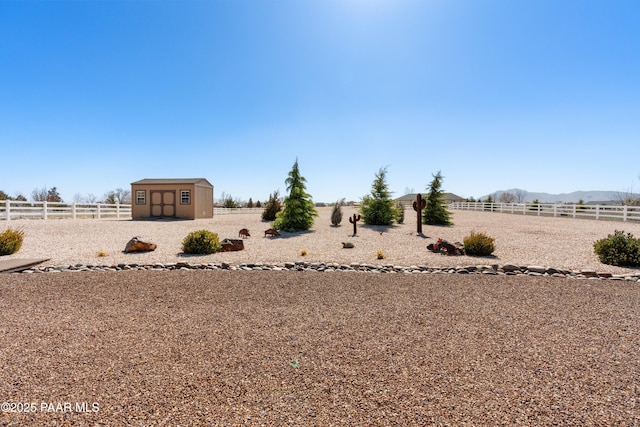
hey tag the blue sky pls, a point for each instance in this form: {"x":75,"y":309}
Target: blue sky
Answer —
{"x":542,"y":95}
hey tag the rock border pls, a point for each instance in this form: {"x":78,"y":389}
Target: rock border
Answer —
{"x":494,"y":269}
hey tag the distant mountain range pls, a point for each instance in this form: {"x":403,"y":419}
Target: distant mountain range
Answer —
{"x":575,"y":197}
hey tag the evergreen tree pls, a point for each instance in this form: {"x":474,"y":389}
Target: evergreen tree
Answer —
{"x":272,"y":207}
{"x":336,"y":213}
{"x":258,"y":204}
{"x":378,"y":208}
{"x":435,"y":213}
{"x":299,"y":211}
{"x":250,"y":203}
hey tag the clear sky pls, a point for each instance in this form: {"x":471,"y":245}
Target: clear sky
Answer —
{"x":542,"y":95}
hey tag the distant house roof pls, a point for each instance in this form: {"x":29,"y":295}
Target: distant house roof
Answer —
{"x":449,"y":197}
{"x":147,"y":181}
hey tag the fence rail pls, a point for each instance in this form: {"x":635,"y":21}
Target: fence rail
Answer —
{"x":597,"y":212}
{"x":227,"y":211}
{"x":12,"y":209}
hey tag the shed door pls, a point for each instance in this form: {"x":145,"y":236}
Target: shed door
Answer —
{"x":163,"y":203}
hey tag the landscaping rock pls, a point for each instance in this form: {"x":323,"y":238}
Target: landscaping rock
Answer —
{"x":137,"y":245}
{"x":229,"y":245}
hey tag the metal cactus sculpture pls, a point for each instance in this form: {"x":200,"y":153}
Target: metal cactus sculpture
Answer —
{"x":353,"y":220}
{"x":418,"y":205}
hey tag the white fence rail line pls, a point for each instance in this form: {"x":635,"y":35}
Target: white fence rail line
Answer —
{"x":12,"y":209}
{"x":227,"y":211}
{"x":597,"y":212}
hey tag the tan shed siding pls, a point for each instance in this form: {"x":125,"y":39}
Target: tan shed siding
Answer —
{"x":165,"y":198}
{"x":140,"y":210}
{"x":203,"y":201}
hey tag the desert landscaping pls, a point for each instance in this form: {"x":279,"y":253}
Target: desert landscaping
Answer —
{"x":524,"y":241}
{"x":227,"y":348}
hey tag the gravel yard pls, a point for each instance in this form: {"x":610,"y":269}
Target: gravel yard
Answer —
{"x":521,"y":240}
{"x":298,"y":348}
{"x":205,"y":347}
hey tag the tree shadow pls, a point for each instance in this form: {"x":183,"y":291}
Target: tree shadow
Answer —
{"x":290,"y":234}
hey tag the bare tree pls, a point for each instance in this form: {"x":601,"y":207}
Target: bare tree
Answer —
{"x":118,"y":196}
{"x":89,"y":198}
{"x":520,"y":196}
{"x":507,"y":197}
{"x":39,"y":194}
{"x":46,"y":194}
{"x":628,"y":198}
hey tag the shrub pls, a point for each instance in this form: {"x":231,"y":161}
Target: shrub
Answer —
{"x":271,"y":207}
{"x":400,"y":209}
{"x":478,"y":244}
{"x":379,"y":254}
{"x":11,"y":241}
{"x":201,"y":242}
{"x":303,"y":252}
{"x":102,"y":253}
{"x":618,"y":249}
{"x":336,"y":213}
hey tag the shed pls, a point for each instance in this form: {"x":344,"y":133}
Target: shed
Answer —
{"x":186,"y":198}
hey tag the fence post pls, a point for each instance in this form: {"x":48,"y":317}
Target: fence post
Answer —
{"x":98,"y":210}
{"x":624,"y":213}
{"x":574,"y":211}
{"x":597,"y":212}
{"x":44,"y":210}
{"x":117,"y":210}
{"x":555,"y":210}
{"x":8,"y":209}
{"x":73,"y":210}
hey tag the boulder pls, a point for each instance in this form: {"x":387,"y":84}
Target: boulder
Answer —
{"x":137,"y":245}
{"x":446,"y":248}
{"x":229,"y":245}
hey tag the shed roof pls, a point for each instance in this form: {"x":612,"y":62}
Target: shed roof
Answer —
{"x":148,"y":181}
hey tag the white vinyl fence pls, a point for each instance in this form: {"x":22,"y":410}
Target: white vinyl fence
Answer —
{"x":597,"y":212}
{"x":12,"y":209}
{"x":227,"y":211}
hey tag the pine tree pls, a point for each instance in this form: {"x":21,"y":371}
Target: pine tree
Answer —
{"x":250,"y":203}
{"x":378,"y":208}
{"x":435,"y":213}
{"x":299,"y":211}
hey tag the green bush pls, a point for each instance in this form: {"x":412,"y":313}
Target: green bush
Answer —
{"x":618,"y":249}
{"x":478,"y":244}
{"x":11,"y":241}
{"x":272,"y":207}
{"x":400,"y":209}
{"x":201,"y":242}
